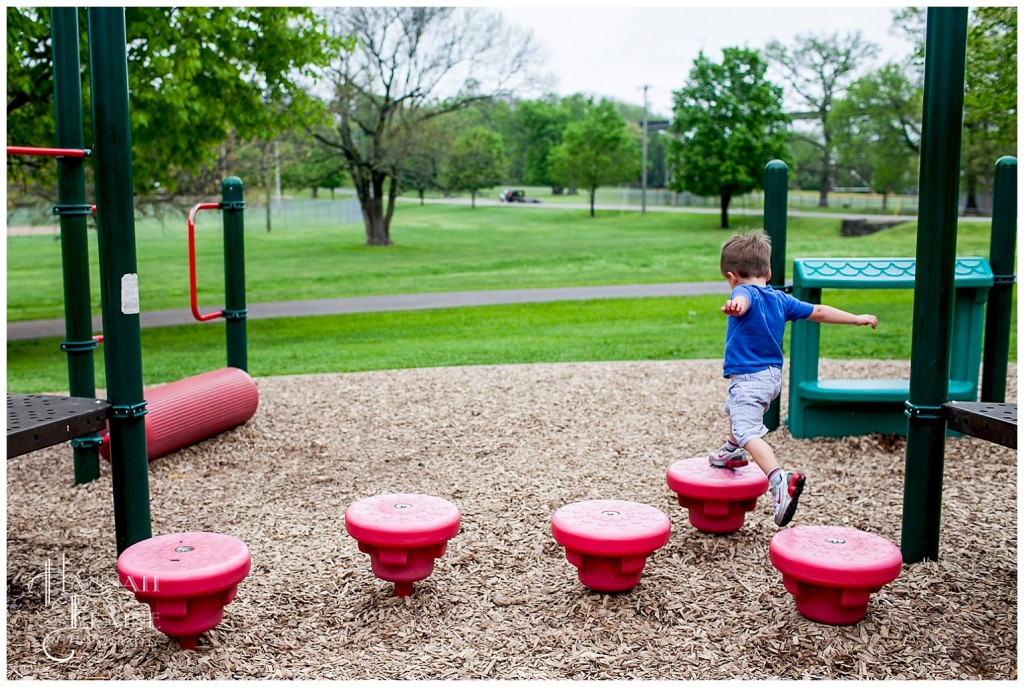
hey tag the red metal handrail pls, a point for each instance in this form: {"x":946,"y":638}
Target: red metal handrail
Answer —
{"x":48,"y":152}
{"x":192,"y":261}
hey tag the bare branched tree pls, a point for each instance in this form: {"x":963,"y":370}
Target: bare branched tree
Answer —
{"x":818,"y":70}
{"x":410,"y":65}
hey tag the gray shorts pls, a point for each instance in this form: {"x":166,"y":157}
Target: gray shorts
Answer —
{"x":748,"y":399}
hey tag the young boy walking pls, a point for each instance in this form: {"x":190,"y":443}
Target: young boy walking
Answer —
{"x":757,"y":316}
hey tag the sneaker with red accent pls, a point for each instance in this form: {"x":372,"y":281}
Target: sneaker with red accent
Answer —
{"x":785,"y":495}
{"x":724,"y":458}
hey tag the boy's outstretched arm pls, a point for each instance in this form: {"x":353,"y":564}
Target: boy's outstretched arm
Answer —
{"x":826,"y":314}
{"x":736,"y":307}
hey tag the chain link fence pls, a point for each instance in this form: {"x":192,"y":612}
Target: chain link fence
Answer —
{"x":865,"y":203}
{"x":302,"y":214}
{"x":344,"y":208}
{"x":284,"y":214}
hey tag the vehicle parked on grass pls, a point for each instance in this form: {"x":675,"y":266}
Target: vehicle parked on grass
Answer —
{"x":515,"y":196}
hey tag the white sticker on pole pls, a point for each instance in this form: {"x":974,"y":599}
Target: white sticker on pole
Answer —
{"x":130,"y":294}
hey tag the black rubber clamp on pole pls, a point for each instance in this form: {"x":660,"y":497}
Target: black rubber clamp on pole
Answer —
{"x":94,"y":441}
{"x":924,"y":412}
{"x":79,"y":346}
{"x":125,"y":412}
{"x":234,"y":314}
{"x":69,"y":210}
{"x":998,"y":279}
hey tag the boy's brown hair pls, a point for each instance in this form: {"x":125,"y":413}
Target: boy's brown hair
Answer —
{"x":747,"y":255}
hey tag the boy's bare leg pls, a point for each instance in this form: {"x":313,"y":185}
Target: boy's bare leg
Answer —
{"x":762,"y":454}
{"x":787,"y":486}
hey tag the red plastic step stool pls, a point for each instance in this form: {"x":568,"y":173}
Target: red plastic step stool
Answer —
{"x":832,"y":571}
{"x":609,"y":540}
{"x":716,"y":498}
{"x":186,"y":579}
{"x":403,"y":533}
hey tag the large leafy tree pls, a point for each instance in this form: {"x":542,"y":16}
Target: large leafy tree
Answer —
{"x":818,"y":68}
{"x":595,"y":151}
{"x":533,"y":128}
{"x":476,"y":161}
{"x":990,"y":98}
{"x":427,"y":147}
{"x":196,"y":75}
{"x":206,"y":71}
{"x":729,"y":122}
{"x":878,"y":129}
{"x":990,"y":101}
{"x":29,"y":92}
{"x":410,"y":65}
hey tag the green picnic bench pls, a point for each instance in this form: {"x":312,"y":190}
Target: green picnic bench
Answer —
{"x":854,"y":407}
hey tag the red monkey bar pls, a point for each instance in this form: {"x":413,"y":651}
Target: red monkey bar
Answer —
{"x":48,"y":152}
{"x":192,"y":261}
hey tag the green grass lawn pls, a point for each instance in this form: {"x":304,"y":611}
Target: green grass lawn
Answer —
{"x":597,"y":330}
{"x":452,"y":248}
{"x":439,"y":248}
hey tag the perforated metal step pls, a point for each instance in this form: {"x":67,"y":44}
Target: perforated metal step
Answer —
{"x":995,"y":422}
{"x":35,"y":421}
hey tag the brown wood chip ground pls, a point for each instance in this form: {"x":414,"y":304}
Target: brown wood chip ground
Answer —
{"x":508,"y":445}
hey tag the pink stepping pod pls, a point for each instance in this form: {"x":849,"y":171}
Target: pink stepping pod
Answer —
{"x":186,"y":579}
{"x":609,"y":541}
{"x":716,"y":498}
{"x":403,"y":533}
{"x":832,"y":571}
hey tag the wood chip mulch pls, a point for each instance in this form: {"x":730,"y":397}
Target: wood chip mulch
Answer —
{"x":508,"y":445}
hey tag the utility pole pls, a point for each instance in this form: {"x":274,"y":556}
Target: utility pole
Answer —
{"x":643,"y":168}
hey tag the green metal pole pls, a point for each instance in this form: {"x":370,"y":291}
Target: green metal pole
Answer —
{"x":233,"y":208}
{"x":119,"y":281}
{"x":945,"y":57}
{"x":776,"y":199}
{"x":1000,"y":298}
{"x":74,"y":241}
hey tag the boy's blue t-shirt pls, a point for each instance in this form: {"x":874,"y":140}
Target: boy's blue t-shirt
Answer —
{"x":753,"y":342}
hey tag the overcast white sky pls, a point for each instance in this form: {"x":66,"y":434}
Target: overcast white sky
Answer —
{"x":614,"y":51}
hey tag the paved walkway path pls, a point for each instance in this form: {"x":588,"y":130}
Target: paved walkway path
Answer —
{"x":37,"y":329}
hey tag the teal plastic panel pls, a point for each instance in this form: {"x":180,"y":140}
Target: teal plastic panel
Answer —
{"x":852,"y":407}
{"x":874,"y":390}
{"x":880,"y":273}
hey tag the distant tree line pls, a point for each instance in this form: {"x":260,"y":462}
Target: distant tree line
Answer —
{"x":391,"y":100}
